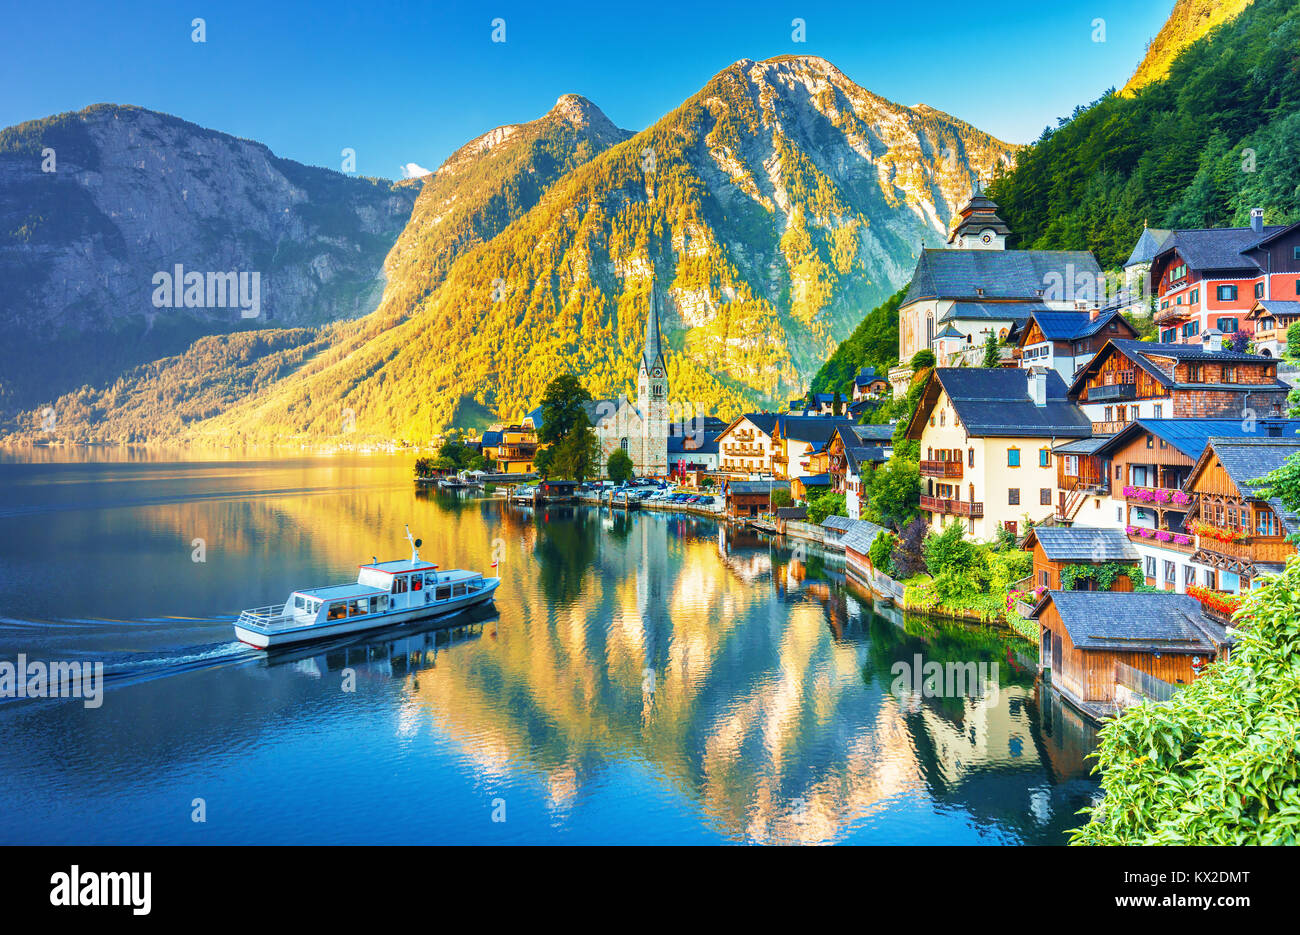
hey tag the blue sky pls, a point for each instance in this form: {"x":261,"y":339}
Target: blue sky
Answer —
{"x":408,"y":82}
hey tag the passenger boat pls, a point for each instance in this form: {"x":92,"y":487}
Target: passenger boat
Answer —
{"x":385,"y":593}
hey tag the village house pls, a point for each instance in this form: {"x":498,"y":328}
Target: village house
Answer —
{"x":986,"y":439}
{"x":848,"y":455}
{"x":1210,"y":279}
{"x":975,"y":286}
{"x":1137,"y":296}
{"x":1062,"y":553}
{"x":1065,"y":341}
{"x":869,"y":385}
{"x":747,"y":445}
{"x":693,"y":445}
{"x":798,"y":438}
{"x":1099,"y":645}
{"x":752,"y":498}
{"x":511,"y":447}
{"x":1269,"y":320}
{"x":1240,"y":538}
{"x":1130,"y":380}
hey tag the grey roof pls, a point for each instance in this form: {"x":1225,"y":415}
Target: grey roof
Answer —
{"x":867,"y":375}
{"x":1002,"y":274}
{"x":792,"y":512}
{"x":995,"y":402}
{"x":1017,"y":312}
{"x":840,"y":524}
{"x":491,"y":439}
{"x":1190,"y":436}
{"x":815,"y":429}
{"x":1083,"y":543}
{"x":874,"y":433}
{"x":950,"y":331}
{"x":1161,"y":621}
{"x":860,"y":535}
{"x":707,"y":444}
{"x":1248,"y":459}
{"x":757,"y":486}
{"x":857,"y":456}
{"x":1148,"y":245}
{"x":765,"y":422}
{"x":1218,"y":247}
{"x":1280,"y":306}
{"x":1082,"y":446}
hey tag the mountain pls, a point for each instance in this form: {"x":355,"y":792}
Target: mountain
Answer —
{"x":1217,"y":137}
{"x":487,"y":183}
{"x":768,"y":212}
{"x":1189,"y":21}
{"x":96,"y":205}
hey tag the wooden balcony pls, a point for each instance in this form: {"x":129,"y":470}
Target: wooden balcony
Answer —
{"x":1110,"y":428}
{"x":1112,"y":392}
{"x":1175,"y":313}
{"x":1252,"y":550}
{"x":944,"y":469}
{"x":974,"y":510}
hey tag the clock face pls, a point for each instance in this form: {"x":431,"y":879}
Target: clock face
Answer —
{"x":658,"y":372}
{"x":987,"y":237}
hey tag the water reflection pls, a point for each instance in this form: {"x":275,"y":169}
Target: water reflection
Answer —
{"x":650,"y":671}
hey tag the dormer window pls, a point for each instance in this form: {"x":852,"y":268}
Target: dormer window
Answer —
{"x":979,"y":291}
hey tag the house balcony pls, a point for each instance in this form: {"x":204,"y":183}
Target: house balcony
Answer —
{"x":1162,"y":539}
{"x":516,"y":452}
{"x":1156,"y":497}
{"x":1115,"y":391}
{"x":949,"y":470}
{"x":1111,"y":427}
{"x":1271,"y":550}
{"x":1174,"y":314}
{"x":974,"y":510}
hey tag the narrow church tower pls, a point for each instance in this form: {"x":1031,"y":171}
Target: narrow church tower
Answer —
{"x":652,"y":396}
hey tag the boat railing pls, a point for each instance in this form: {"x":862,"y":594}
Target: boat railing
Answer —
{"x":272,"y":615}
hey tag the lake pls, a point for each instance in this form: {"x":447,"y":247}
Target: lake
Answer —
{"x":644,"y":678}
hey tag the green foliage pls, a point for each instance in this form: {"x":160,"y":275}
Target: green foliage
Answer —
{"x":881,"y":551}
{"x":991,"y":357}
{"x":1104,"y":574}
{"x":1216,"y":764}
{"x":562,"y":407}
{"x":619,"y":467}
{"x":781,"y":498}
{"x":956,"y":564}
{"x":1283,"y":483}
{"x":544,"y":461}
{"x":1005,"y":568}
{"x":577,"y":454}
{"x":874,"y":342}
{"x":923,"y":360}
{"x":1175,"y":153}
{"x":907,"y":558}
{"x":826,"y":504}
{"x":893,"y":495}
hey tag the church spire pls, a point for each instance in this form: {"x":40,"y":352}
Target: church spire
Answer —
{"x":652,"y":351}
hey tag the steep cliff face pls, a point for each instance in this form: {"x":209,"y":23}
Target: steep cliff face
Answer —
{"x":1189,"y":21}
{"x":771,"y":210}
{"x":133,"y":193}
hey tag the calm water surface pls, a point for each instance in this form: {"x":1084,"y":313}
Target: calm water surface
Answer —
{"x":646,"y":678}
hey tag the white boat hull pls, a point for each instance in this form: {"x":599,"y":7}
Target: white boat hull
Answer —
{"x":273,"y":637}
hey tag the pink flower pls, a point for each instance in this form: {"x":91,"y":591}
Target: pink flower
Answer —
{"x":1162,"y":496}
{"x":1182,"y":540}
{"x":1181,"y":498}
{"x":1129,"y":491}
{"x":1164,"y":536}
{"x":1147,"y":533}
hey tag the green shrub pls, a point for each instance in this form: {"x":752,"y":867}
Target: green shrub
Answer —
{"x":881,"y":548}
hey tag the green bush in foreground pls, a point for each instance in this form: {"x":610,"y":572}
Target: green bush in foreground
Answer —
{"x":1218,"y":762}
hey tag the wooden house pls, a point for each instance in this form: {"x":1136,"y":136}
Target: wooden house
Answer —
{"x":1090,"y":640}
{"x":1066,"y":340}
{"x":1056,"y":548}
{"x":1130,"y":380}
{"x":752,"y":498}
{"x":1240,"y":537}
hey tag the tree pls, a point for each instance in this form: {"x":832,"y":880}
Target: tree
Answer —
{"x":619,"y":467}
{"x":991,"y":357}
{"x":780,"y":498}
{"x":828,"y":503}
{"x":544,"y":460}
{"x":895,"y":494}
{"x":1216,"y":763}
{"x":561,"y":406}
{"x":1238,"y":342}
{"x":923,"y":360}
{"x":577,"y":455}
{"x":837,"y":407}
{"x":881,"y":552}
{"x":907,"y":558}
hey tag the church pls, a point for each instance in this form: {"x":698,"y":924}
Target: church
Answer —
{"x":640,"y":430}
{"x":975,"y":285}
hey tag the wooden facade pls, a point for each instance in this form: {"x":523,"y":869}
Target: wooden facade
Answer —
{"x":1087,"y":676}
{"x":1221,"y":504}
{"x":1047,"y":573}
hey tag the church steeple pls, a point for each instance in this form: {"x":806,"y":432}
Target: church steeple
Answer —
{"x":652,"y":350}
{"x":978,"y":226}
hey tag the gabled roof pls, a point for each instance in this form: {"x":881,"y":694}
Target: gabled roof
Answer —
{"x":867,"y":375}
{"x":1082,"y":446}
{"x":1218,"y":247}
{"x":816,"y":430}
{"x":874,"y":433}
{"x":950,"y":331}
{"x":995,"y":401}
{"x":1002,"y":274}
{"x":858,"y":456}
{"x":757,"y":486}
{"x":860,"y":535}
{"x":1149,"y":243}
{"x":765,"y":422}
{"x":1276,"y":307}
{"x":1142,"y":352}
{"x":1074,"y":326}
{"x":1082,"y":544}
{"x":707,"y":444}
{"x":1162,"y":621}
{"x":840,"y":524}
{"x":491,"y":439}
{"x":1249,"y":459}
{"x":1190,"y":436}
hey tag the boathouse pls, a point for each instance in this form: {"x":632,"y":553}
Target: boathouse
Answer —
{"x":1075,"y":558}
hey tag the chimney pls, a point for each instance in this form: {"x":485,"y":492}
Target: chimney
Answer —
{"x":1214,"y":341}
{"x":1272,"y":427}
{"x":1257,"y":220}
{"x":1093,"y":313}
{"x":1038,"y":386}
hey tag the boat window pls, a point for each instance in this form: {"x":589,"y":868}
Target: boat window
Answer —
{"x":299,"y":602}
{"x":444,"y":592}
{"x":430,"y":578}
{"x":476,"y":584}
{"x":338,"y":610}
{"x":458,"y":590}
{"x":359,"y":607}
{"x":417,"y":582}
{"x":399,"y":584}
{"x":380,"y":603}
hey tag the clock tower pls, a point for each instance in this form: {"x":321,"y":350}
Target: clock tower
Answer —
{"x":979,"y":227}
{"x":652,"y":396}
